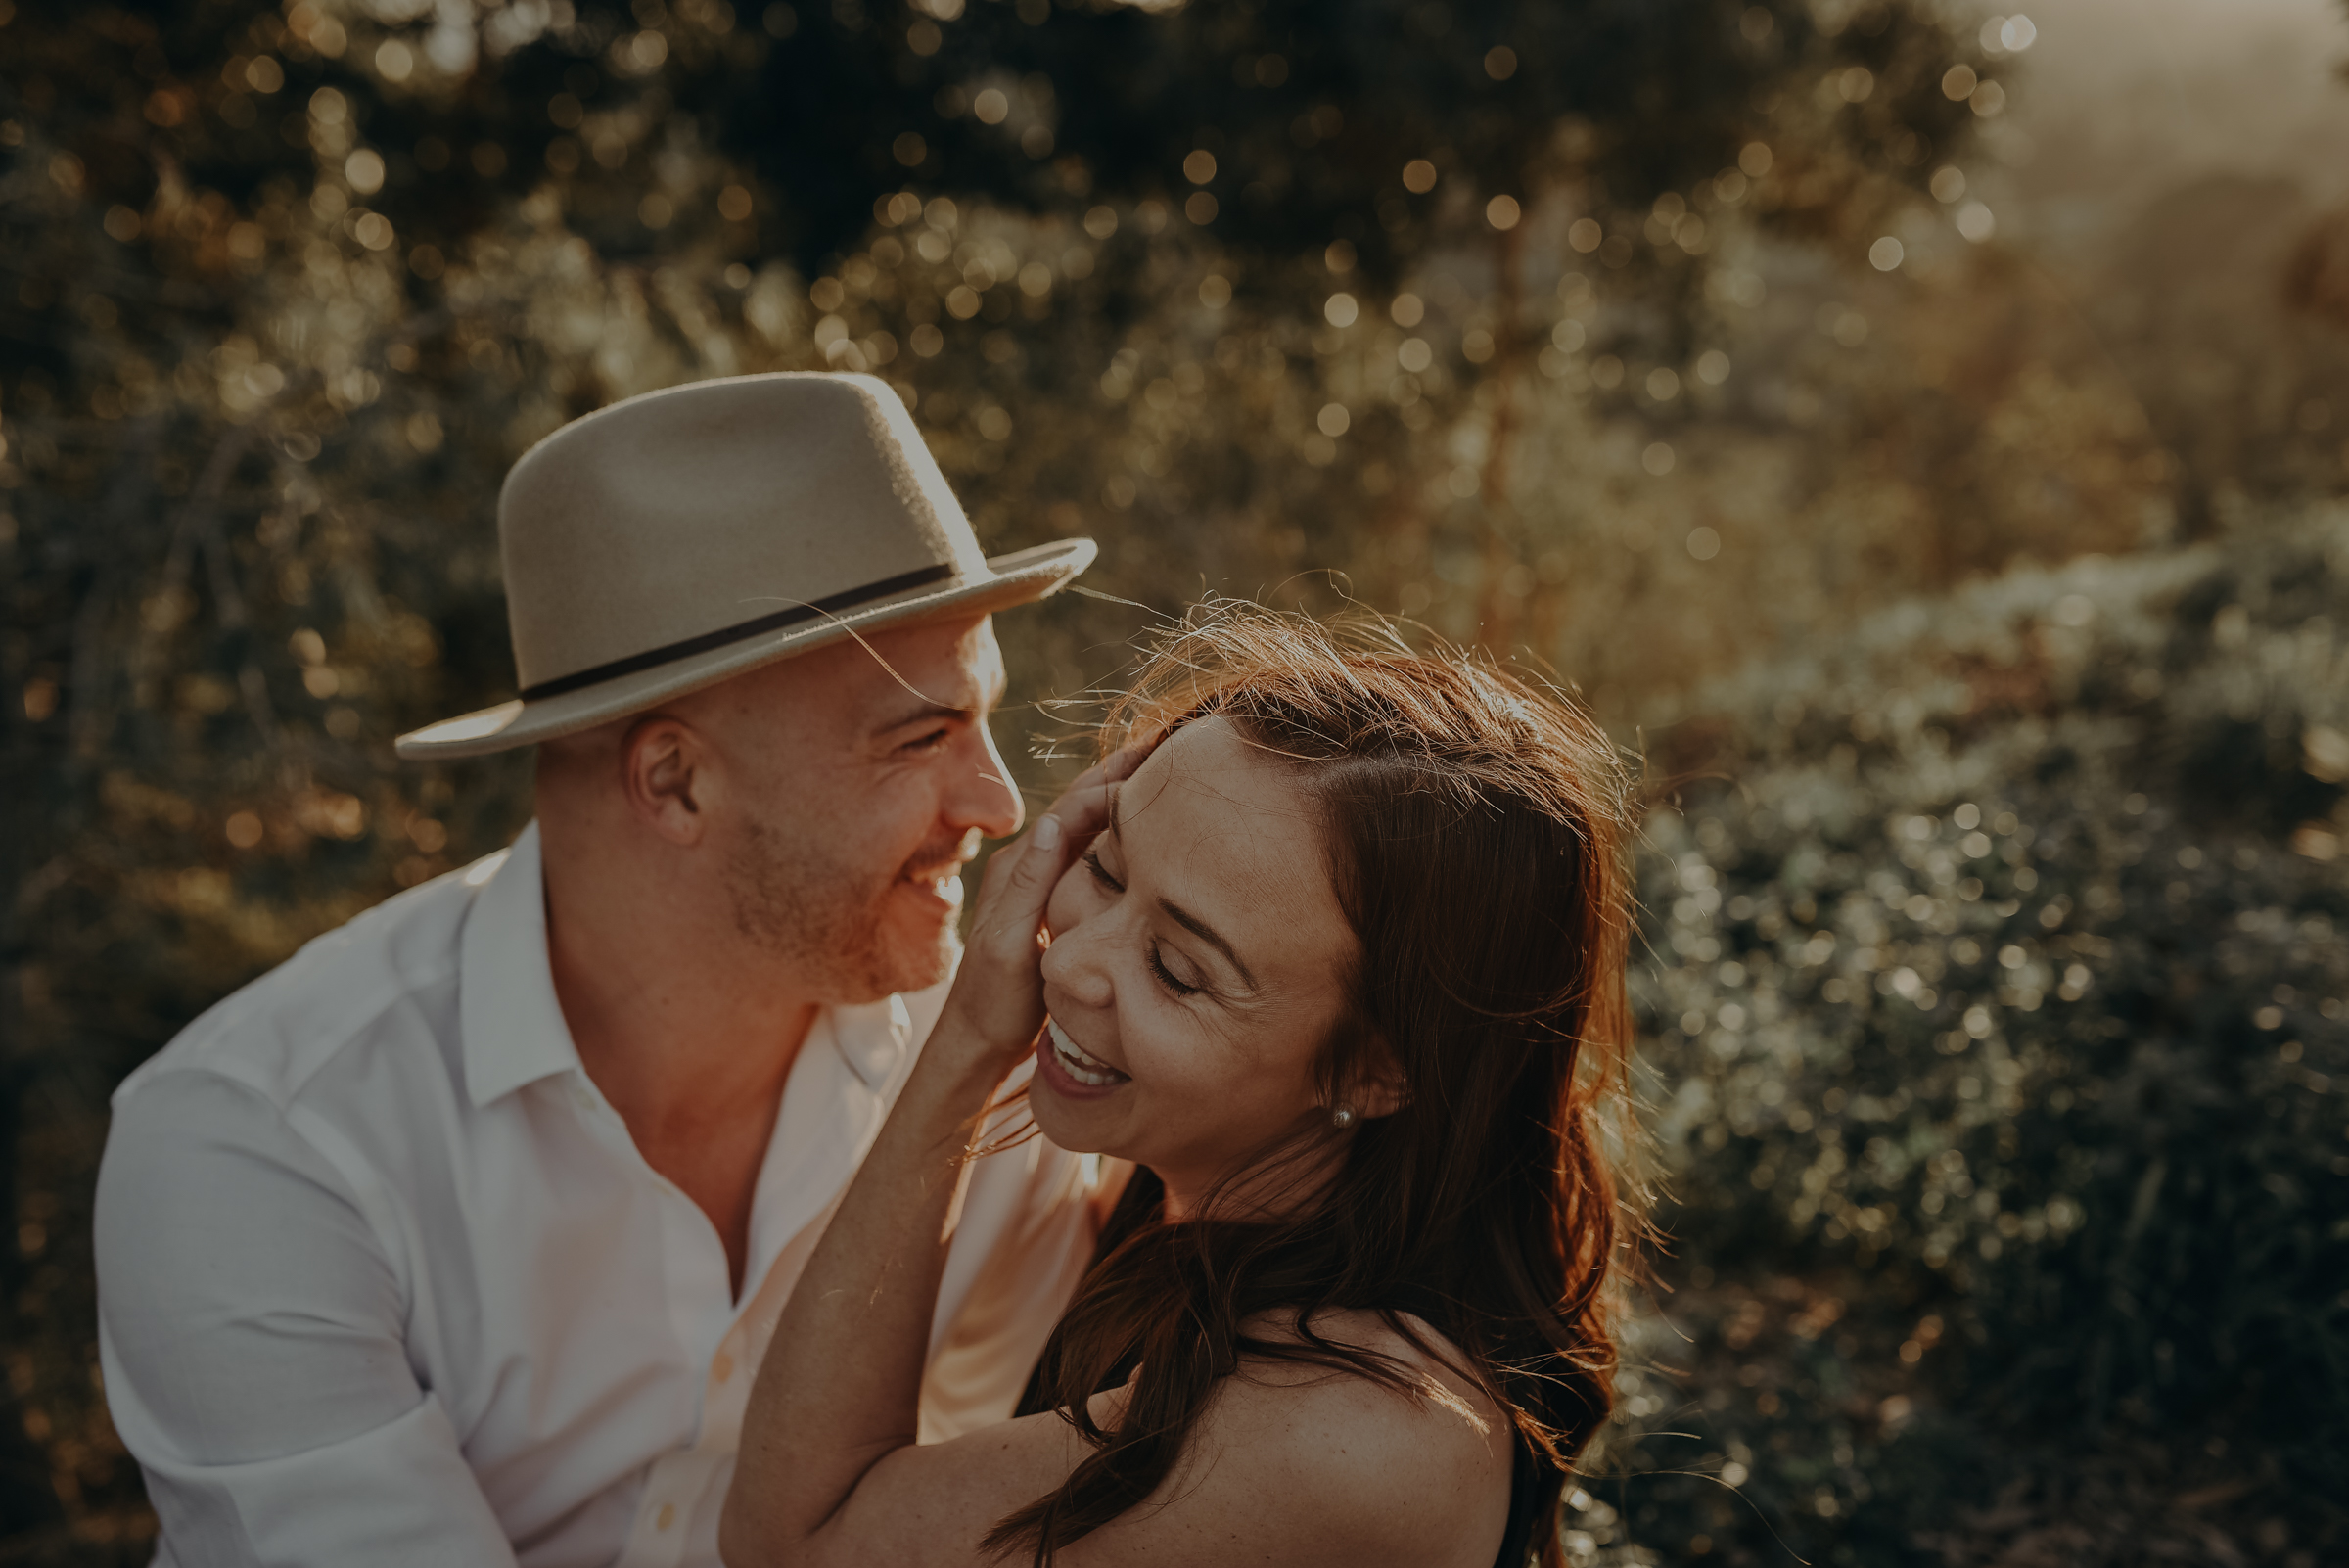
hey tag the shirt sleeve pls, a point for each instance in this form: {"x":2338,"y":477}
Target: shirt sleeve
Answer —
{"x":1024,"y":1240}
{"x":251,"y":1323}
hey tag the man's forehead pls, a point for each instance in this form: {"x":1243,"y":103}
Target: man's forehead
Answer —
{"x":955,"y":666}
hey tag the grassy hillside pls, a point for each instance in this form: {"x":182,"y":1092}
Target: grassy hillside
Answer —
{"x":1995,"y":1007}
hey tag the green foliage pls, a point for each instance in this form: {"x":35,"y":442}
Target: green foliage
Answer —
{"x":288,"y":288}
{"x":1999,"y":1008}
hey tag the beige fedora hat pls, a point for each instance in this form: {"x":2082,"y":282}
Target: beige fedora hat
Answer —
{"x":678,"y":538}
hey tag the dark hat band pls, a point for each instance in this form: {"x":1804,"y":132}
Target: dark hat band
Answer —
{"x":830,"y":604}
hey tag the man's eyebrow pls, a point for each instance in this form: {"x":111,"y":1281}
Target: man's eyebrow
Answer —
{"x":1207,"y":932}
{"x":932,"y":711}
{"x":928,"y":712}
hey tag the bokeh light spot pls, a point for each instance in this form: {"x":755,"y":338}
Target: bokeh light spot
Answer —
{"x":1886,"y":253}
{"x":1419,"y":176}
{"x":364,"y":169}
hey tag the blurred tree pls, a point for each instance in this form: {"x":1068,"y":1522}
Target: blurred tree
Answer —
{"x":1431,"y":292}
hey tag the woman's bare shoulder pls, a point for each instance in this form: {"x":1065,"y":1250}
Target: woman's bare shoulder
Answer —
{"x":1421,"y":1352}
{"x":1346,"y":1470}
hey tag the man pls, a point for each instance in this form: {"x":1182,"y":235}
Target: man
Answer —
{"x":457,"y":1239}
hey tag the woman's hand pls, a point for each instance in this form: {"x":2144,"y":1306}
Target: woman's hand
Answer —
{"x":997,"y":999}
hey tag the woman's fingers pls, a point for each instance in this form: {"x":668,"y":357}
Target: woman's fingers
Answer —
{"x":1118,"y":766}
{"x":999,"y":987}
{"x":1121,"y":763}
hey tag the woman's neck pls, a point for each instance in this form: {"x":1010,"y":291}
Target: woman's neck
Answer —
{"x":1283,"y":1185}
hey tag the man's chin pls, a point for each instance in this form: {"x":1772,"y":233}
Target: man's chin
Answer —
{"x":904,"y":956}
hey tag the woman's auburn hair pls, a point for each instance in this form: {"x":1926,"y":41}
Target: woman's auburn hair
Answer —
{"x":1476,"y":826}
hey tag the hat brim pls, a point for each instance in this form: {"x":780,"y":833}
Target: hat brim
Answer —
{"x":1021,"y":578}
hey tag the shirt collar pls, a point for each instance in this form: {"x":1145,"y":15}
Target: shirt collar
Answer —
{"x":873,"y":1038}
{"x":514,"y":1028}
{"x":512,"y":1024}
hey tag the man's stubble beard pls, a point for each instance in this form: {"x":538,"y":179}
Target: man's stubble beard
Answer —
{"x":828,"y":919}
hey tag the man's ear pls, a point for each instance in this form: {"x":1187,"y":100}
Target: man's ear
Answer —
{"x":667,"y":777}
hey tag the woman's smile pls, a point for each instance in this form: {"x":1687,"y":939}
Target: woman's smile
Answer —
{"x":1195,"y":968}
{"x":1067,"y":1069}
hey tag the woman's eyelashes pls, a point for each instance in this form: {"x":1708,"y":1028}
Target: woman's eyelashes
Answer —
{"x":1158,"y":965}
{"x":1165,"y":976}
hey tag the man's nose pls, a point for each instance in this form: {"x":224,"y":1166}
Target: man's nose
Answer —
{"x":981,"y":794}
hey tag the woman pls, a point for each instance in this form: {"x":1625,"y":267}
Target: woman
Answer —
{"x":1336,"y":951}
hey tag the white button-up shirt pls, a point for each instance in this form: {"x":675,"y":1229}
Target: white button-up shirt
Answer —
{"x":383,"y":1279}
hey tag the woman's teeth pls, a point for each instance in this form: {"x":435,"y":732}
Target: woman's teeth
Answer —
{"x":1087,"y":1069}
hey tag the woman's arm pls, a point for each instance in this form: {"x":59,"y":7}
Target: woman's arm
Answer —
{"x":841,"y":1386}
{"x":1289,"y":1465}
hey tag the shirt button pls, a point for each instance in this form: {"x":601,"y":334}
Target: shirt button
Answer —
{"x":721,"y":1369}
{"x":666,"y":1517}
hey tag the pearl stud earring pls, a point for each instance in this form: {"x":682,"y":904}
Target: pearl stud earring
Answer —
{"x":1341,"y":1118}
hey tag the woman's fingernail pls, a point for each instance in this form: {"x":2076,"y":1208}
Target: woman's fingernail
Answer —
{"x":1048,"y":833}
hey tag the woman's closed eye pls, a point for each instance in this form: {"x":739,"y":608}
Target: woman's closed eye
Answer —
{"x":1165,"y":976}
{"x":1158,"y":964}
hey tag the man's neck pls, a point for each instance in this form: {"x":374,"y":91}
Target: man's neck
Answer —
{"x":672,"y":1029}
{"x":689,"y":1035}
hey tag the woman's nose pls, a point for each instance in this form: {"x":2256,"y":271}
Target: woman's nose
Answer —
{"x":1073,"y":965}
